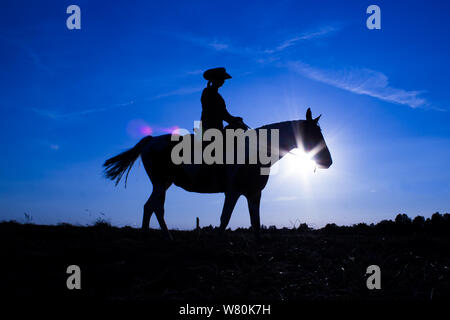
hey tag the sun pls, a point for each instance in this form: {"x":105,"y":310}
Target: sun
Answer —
{"x":298,"y":161}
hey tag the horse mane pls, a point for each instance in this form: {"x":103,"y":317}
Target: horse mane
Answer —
{"x":279,"y":124}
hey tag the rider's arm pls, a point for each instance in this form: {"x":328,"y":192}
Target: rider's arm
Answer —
{"x":228,"y":117}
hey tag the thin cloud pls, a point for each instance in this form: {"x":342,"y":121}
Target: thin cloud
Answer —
{"x":194,"y":72}
{"x":357,"y":80}
{"x":48,"y":144}
{"x":362,"y":81}
{"x":219,"y":45}
{"x":178,"y":92}
{"x":29,"y":52}
{"x":213,"y":44}
{"x":58,"y":116}
{"x":35,"y":59}
{"x":325,"y":31}
{"x":226,"y":46}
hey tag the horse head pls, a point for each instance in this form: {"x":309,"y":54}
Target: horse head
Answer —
{"x":314,"y":143}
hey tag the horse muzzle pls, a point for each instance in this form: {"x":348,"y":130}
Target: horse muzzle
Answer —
{"x":324,"y":164}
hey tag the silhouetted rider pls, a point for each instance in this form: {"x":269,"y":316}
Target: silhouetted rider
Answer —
{"x":214,"y":110}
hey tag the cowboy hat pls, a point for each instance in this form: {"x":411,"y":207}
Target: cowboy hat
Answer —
{"x":216,"y":74}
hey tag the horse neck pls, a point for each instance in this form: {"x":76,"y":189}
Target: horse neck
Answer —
{"x":290,"y":134}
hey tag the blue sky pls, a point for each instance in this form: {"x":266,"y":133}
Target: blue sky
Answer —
{"x":69,"y":100}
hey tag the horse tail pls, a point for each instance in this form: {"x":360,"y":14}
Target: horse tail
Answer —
{"x":116,"y":166}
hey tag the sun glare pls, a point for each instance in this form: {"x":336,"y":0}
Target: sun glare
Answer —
{"x":298,"y":161}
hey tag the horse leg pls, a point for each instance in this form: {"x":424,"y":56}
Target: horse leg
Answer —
{"x":151,"y":205}
{"x":156,"y":204}
{"x":253,"y":201}
{"x":148,"y":211}
{"x":159,"y":211}
{"x":230,"y":201}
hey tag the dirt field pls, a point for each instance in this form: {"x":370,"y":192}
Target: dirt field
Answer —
{"x":125,"y":263}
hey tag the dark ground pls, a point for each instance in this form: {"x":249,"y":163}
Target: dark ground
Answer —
{"x":125,"y":263}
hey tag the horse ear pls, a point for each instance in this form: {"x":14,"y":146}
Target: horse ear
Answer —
{"x":308,"y":114}
{"x":316,"y":120}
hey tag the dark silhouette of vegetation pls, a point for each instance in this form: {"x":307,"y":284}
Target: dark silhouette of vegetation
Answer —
{"x":102,"y":223}
{"x":297,"y":263}
{"x":402,"y":224}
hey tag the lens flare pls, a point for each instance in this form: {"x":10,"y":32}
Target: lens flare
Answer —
{"x":146,"y":130}
{"x":299,"y":161}
{"x":138,"y":128}
{"x":171,"y":130}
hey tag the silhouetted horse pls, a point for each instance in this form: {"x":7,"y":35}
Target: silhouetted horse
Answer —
{"x":232,"y":179}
